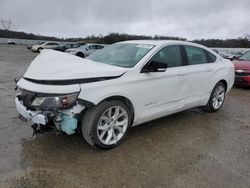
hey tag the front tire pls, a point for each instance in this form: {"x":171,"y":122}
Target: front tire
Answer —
{"x":107,"y":124}
{"x":217,"y":98}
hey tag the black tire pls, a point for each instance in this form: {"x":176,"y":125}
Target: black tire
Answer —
{"x":90,"y":121}
{"x":209,"y":107}
{"x":39,"y":50}
{"x":79,"y":54}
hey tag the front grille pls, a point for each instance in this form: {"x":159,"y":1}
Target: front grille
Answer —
{"x":26,"y":97}
{"x":242,"y":73}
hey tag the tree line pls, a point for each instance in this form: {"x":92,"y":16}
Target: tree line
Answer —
{"x":117,"y":37}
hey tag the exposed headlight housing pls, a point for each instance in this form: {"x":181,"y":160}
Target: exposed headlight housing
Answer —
{"x":54,"y":101}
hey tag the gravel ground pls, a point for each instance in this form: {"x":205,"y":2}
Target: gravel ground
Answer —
{"x":189,"y":149}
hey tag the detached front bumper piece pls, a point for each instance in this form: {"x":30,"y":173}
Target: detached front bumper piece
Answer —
{"x":34,"y":116}
{"x":64,"y":120}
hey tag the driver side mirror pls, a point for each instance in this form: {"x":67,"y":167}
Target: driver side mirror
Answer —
{"x":87,"y":48}
{"x":154,"y":66}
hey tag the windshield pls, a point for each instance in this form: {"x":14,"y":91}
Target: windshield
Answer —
{"x":121,"y":54}
{"x":245,"y":56}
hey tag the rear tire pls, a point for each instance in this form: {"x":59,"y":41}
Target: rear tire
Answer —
{"x":79,"y":54}
{"x":107,"y":124}
{"x":217,"y":98}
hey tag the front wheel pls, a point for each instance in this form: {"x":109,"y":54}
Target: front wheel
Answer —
{"x":107,"y":124}
{"x":217,"y":98}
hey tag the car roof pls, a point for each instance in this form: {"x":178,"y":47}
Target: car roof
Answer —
{"x":161,"y":42}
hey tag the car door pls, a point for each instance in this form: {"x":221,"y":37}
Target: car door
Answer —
{"x":163,"y":92}
{"x":91,"y":49}
{"x":50,"y":45}
{"x":199,"y":71}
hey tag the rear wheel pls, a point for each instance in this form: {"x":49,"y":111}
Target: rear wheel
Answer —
{"x":39,"y":49}
{"x":79,"y":54}
{"x":217,"y":98}
{"x":107,"y":124}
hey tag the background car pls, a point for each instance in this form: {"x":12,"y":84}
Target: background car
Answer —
{"x":242,"y":70}
{"x":64,"y":47}
{"x":231,"y":55}
{"x":85,"y":50}
{"x":30,"y":45}
{"x":11,"y":41}
{"x":45,"y":45}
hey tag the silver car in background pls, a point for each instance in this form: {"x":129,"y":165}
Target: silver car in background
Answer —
{"x":85,"y":50}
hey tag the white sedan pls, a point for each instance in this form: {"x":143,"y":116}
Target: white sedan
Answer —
{"x":123,"y":85}
{"x":44,"y":45}
{"x":85,"y":50}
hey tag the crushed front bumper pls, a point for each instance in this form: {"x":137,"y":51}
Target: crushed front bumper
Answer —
{"x":33,"y":116}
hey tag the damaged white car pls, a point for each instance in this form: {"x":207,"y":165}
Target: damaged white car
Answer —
{"x":123,"y":85}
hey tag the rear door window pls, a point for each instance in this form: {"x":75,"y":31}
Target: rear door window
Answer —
{"x":170,"y":55}
{"x":211,"y":57}
{"x":196,"y":55}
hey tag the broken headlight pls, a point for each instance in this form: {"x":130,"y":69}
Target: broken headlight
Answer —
{"x":54,"y":101}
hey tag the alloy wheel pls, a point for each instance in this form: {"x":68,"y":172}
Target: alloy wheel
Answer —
{"x":218,"y":97}
{"x":112,"y":125}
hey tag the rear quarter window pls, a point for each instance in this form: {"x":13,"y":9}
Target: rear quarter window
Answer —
{"x":211,"y":58}
{"x":196,"y":55}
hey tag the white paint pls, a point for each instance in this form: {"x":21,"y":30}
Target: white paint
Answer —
{"x":54,"y":65}
{"x":152,"y":95}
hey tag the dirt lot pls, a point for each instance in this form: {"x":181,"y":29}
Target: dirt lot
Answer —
{"x":188,"y":149}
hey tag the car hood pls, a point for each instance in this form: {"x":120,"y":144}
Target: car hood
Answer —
{"x":245,"y":65}
{"x":53,"y":65}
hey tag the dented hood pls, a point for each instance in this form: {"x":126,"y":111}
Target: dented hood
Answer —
{"x":53,"y":65}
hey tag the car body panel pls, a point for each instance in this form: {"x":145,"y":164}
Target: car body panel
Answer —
{"x":152,"y":95}
{"x":242,"y":72}
{"x":86,"y":49}
{"x":45,"y":45}
{"x":67,"y":67}
{"x":64,"y":47}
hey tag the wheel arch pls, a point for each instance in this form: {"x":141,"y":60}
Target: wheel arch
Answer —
{"x":224,"y":82}
{"x":125,"y":100}
{"x":80,"y":54}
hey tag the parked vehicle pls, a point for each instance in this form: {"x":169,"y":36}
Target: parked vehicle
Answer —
{"x":30,"y":45}
{"x":85,"y":50}
{"x":242,"y":70}
{"x":231,"y":55}
{"x":64,"y":47}
{"x":11,"y":41}
{"x":45,"y":45}
{"x":123,"y":85}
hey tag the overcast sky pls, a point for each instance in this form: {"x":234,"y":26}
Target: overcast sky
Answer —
{"x":192,"y":19}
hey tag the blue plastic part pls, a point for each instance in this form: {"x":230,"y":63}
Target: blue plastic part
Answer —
{"x":68,"y":124}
